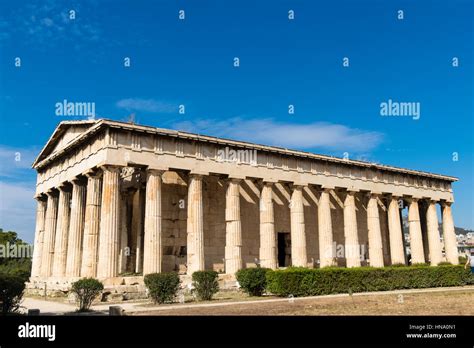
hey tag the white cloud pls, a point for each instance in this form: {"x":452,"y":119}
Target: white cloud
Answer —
{"x":17,"y":209}
{"x":334,"y":137}
{"x":146,"y":105}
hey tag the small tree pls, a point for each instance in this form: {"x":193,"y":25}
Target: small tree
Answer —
{"x":86,"y":290}
{"x":253,"y":281}
{"x":11,"y":292}
{"x":205,"y":284}
{"x":162,"y":287}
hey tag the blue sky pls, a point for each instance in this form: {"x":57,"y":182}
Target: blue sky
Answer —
{"x":190,"y":62}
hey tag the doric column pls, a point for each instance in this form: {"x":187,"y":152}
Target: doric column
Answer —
{"x":397,"y":253}
{"x":325,"y":230}
{"x":422,"y":209}
{"x":109,"y":223}
{"x":434,"y":242}
{"x":374,"y":233}
{"x":416,"y":240}
{"x":352,"y":248}
{"x":299,"y":256}
{"x":62,"y":231}
{"x":195,"y":225}
{"x":76,"y":229}
{"x":233,"y":229}
{"x":49,"y":234}
{"x":268,"y":238}
{"x":450,"y":242}
{"x":124,"y":247}
{"x":152,"y":256}
{"x":39,"y":236}
{"x":138,"y":228}
{"x":91,"y":226}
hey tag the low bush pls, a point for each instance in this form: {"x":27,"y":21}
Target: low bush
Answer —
{"x":86,"y":290}
{"x":253,"y":281}
{"x":11,"y":292}
{"x":162,"y":287}
{"x":205,"y":284}
{"x":311,"y":282}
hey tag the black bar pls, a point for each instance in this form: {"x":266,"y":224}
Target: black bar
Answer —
{"x":241,"y":330}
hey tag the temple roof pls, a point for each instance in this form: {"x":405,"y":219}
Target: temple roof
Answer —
{"x":70,"y":133}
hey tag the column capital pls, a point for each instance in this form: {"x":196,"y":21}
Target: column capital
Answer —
{"x":196,"y":176}
{"x":65,"y":186}
{"x":52,"y":192}
{"x":155,"y":171}
{"x":40,"y":197}
{"x":235,"y":180}
{"x":411,"y":199}
{"x":198,"y":173}
{"x":445,"y":203}
{"x":268,"y":183}
{"x":93,"y":173}
{"x":110,"y":167}
{"x":78,"y":181}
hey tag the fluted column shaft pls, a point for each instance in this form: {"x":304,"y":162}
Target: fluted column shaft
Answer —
{"x":233,"y":235}
{"x":91,"y":227}
{"x":352,"y":247}
{"x":422,"y":209}
{"x":62,"y":231}
{"x":195,"y":225}
{"x":374,"y":233}
{"x":299,"y":256}
{"x":416,"y":239}
{"x":268,"y":238}
{"x":49,"y":235}
{"x":450,"y":242}
{"x":325,"y":230}
{"x":109,"y":224}
{"x":434,"y":242}
{"x":124,"y":247}
{"x":76,"y":229}
{"x":39,"y":237}
{"x":397,"y":253}
{"x":152,"y":256}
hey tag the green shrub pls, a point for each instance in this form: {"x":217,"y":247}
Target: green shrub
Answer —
{"x":445,"y":263}
{"x":398,"y":265}
{"x":205,"y":284}
{"x":311,"y":282}
{"x":252,"y":280}
{"x":86,"y":290}
{"x":11,"y":292}
{"x":162,"y":287}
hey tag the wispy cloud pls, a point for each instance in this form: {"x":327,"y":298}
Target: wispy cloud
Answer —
{"x":15,"y":163}
{"x":333,"y":137}
{"x":146,"y":105}
{"x":48,"y":23}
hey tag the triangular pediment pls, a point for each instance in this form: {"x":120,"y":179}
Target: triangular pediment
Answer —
{"x":65,"y":133}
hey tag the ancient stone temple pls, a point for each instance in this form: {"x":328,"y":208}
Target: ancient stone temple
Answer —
{"x":118,"y":200}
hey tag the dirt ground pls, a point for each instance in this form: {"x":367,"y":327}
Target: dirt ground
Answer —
{"x":434,"y":303}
